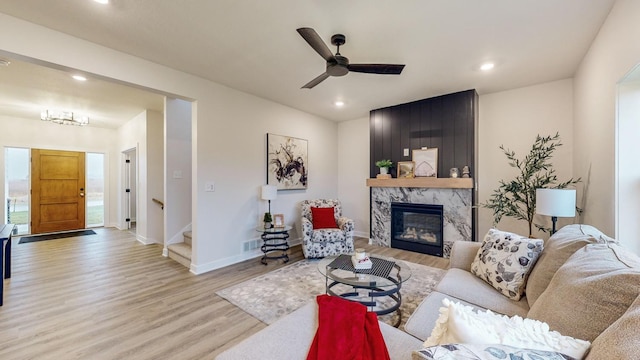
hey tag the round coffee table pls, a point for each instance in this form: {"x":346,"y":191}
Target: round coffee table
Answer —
{"x":377,"y":288}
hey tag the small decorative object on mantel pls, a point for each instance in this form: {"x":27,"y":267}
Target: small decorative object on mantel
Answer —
{"x":405,"y":169}
{"x":384,"y":166}
{"x":453,"y":172}
{"x":465,"y":171}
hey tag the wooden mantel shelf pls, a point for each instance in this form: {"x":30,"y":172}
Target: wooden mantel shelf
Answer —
{"x":423,"y":182}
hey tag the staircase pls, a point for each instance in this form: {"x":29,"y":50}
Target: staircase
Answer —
{"x":181,"y":252}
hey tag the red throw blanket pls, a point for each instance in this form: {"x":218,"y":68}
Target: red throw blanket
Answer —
{"x":346,"y":331}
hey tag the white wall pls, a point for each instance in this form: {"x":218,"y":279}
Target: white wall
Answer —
{"x":231,"y":152}
{"x":513,"y":118}
{"x":613,"y":53}
{"x":353,"y":170}
{"x":228,"y":138}
{"x":177,"y":197}
{"x":155,"y":176}
{"x":29,"y":133}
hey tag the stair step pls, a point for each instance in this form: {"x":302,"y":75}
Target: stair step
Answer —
{"x":180,"y":252}
{"x":187,"y":237}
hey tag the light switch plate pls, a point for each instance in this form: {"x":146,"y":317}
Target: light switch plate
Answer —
{"x":406,"y":152}
{"x":210,"y":186}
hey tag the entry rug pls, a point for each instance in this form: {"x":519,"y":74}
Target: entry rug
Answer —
{"x":273,"y":295}
{"x":34,"y":238}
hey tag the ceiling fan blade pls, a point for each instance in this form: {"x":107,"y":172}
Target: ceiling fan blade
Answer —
{"x":385,"y":69}
{"x":312,"y":37}
{"x":322,"y":77}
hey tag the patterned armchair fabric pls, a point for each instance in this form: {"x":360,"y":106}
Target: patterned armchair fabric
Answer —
{"x":326,"y":242}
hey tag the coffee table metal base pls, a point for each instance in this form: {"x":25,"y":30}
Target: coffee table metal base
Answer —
{"x":374,"y":295}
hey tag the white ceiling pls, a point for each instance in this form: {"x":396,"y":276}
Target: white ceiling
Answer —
{"x":253,"y":45}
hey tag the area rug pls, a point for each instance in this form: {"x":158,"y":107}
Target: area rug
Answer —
{"x":273,"y":295}
{"x":34,"y":238}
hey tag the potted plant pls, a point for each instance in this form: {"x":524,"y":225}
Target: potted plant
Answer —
{"x":384,"y":166}
{"x":517,"y":197}
{"x":267,"y":220}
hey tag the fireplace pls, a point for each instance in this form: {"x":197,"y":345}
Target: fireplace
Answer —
{"x":417,"y":227}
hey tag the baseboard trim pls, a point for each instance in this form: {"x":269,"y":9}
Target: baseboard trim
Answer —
{"x":214,"y":265}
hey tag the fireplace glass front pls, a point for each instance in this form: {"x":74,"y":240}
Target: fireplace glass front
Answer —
{"x":417,"y":227}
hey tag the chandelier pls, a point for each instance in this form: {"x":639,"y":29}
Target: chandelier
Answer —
{"x":64,"y":118}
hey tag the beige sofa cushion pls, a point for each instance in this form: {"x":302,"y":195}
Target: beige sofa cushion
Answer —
{"x":289,"y":338}
{"x":464,"y":285}
{"x":621,"y":340}
{"x":557,"y":250}
{"x":590,"y":291}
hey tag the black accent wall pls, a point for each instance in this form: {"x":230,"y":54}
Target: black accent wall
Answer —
{"x":446,"y":122}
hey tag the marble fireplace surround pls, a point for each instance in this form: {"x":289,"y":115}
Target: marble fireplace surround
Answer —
{"x":455,"y":195}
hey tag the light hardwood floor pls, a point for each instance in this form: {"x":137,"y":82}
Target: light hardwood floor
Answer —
{"x":106,"y":296}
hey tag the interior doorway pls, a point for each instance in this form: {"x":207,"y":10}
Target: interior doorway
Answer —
{"x":130,"y":192}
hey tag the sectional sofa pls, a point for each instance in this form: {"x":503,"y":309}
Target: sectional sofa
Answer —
{"x":583,"y":284}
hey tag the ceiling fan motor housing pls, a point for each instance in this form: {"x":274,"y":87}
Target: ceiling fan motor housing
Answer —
{"x":338,"y":67}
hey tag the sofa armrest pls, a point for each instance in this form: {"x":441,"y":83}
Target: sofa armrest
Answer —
{"x":463,"y":253}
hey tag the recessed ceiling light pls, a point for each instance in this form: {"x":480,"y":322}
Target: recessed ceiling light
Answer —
{"x":487,"y":66}
{"x":79,"y":77}
{"x":102,"y":1}
{"x":339,"y":103}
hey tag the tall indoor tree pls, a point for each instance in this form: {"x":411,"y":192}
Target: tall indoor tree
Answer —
{"x":517,"y":197}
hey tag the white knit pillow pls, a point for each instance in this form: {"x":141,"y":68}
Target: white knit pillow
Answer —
{"x":461,"y":324}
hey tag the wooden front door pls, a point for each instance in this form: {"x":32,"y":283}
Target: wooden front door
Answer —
{"x":57,"y":191}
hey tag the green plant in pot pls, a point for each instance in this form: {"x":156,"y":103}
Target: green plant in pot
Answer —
{"x":384,"y":166}
{"x":517,"y":197}
{"x":267,"y":220}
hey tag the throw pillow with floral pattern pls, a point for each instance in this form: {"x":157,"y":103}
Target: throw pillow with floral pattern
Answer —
{"x":505,"y":260}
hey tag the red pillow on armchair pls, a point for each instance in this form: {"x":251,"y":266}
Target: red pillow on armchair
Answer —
{"x":323,"y":218}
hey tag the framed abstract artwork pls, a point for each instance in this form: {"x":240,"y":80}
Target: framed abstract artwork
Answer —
{"x":287,"y":166}
{"x":426,"y":162}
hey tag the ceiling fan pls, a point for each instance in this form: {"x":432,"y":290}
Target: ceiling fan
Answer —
{"x":338,"y":65}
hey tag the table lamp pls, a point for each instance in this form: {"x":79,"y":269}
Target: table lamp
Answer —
{"x":269,"y":192}
{"x":556,"y":203}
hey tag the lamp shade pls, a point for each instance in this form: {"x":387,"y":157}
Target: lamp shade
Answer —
{"x":269,"y":192}
{"x":556,"y":202}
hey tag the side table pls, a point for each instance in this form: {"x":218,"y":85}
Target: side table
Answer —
{"x":274,"y":240}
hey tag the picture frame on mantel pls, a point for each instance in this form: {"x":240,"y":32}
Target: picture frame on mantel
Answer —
{"x":426,"y":162}
{"x":405,"y":169}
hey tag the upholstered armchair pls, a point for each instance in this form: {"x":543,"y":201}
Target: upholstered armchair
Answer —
{"x":332,"y":233}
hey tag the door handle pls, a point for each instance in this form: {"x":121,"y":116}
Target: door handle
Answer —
{"x":81,"y":194}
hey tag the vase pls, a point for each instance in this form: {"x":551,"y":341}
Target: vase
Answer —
{"x":384,"y":170}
